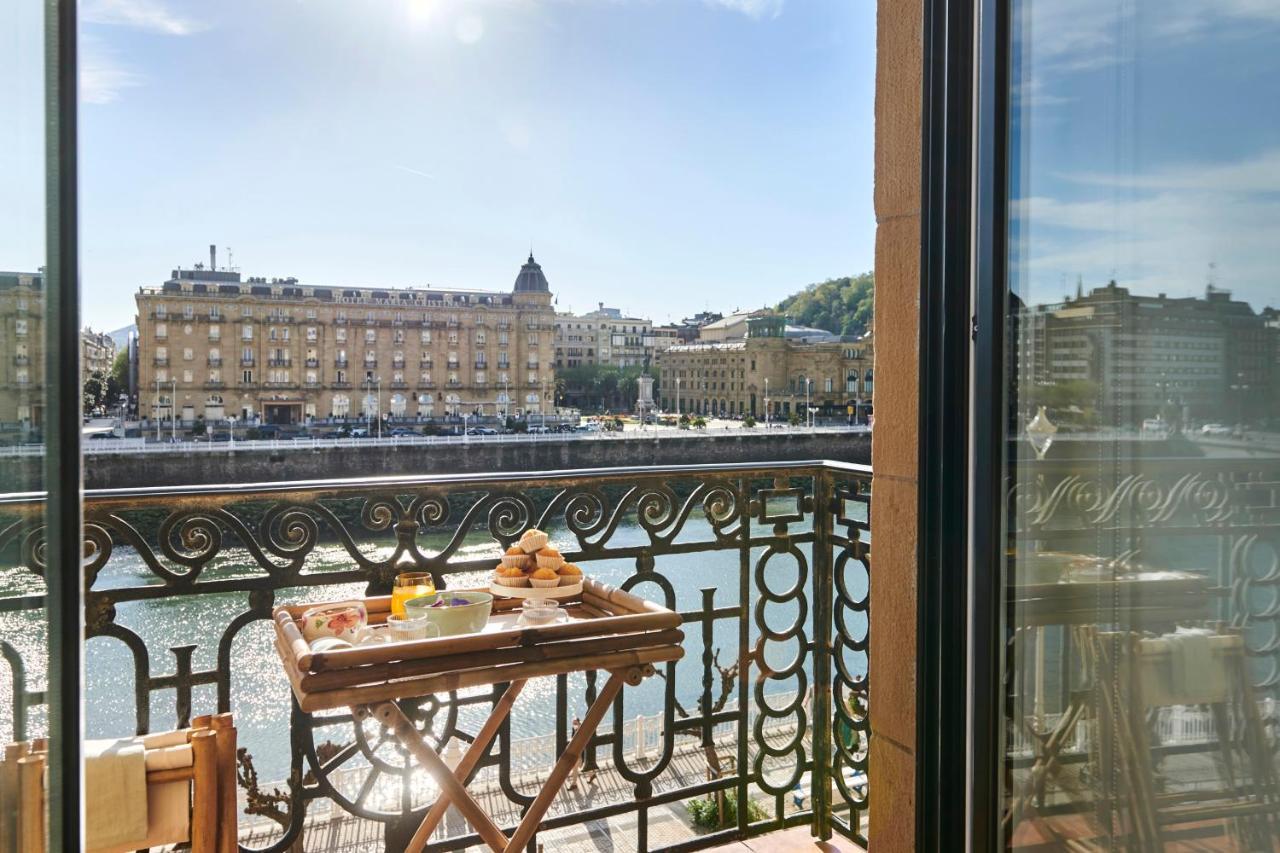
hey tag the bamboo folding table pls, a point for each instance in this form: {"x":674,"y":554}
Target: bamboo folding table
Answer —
{"x":607,"y":629}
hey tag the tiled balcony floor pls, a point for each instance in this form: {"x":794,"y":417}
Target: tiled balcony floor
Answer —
{"x":794,"y":840}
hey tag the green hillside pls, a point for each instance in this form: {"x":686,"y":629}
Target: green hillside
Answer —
{"x":840,"y":305}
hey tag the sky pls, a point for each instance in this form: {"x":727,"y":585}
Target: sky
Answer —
{"x":1146,"y":147}
{"x":660,"y":156}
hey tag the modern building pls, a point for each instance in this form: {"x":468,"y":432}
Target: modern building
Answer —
{"x":773,"y":367}
{"x":1200,"y":359}
{"x":212,"y":346}
{"x":21,"y":350}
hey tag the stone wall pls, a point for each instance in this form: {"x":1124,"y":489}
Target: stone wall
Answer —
{"x":105,"y":471}
{"x":898,"y":147}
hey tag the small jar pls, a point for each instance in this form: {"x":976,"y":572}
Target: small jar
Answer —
{"x":407,"y":627}
{"x":539,"y":611}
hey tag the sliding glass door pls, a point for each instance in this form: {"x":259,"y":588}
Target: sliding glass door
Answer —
{"x":1140,"y":426}
{"x":40,"y":537}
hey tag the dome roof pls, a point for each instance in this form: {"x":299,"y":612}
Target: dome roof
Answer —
{"x":531,"y":278}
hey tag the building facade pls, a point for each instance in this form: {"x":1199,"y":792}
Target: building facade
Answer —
{"x":21,"y":350}
{"x":1135,"y":356}
{"x":604,"y":337}
{"x":97,"y":353}
{"x":774,"y":368}
{"x":211,"y":346}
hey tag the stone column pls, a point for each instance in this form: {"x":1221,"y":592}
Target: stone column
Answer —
{"x":899,"y":66}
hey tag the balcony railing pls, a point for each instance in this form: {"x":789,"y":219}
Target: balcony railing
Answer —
{"x":313,"y":362}
{"x":215,"y":361}
{"x":246,"y":361}
{"x":339,"y":362}
{"x":769,"y":567}
{"x":279,"y":362}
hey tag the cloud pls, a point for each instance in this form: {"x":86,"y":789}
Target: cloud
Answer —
{"x":149,"y":15}
{"x":757,"y":9}
{"x":1082,"y":35}
{"x":102,"y":76}
{"x":1158,"y":232}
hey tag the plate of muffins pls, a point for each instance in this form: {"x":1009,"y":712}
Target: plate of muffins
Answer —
{"x":531,"y":568}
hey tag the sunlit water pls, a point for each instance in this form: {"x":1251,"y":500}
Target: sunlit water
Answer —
{"x":259,"y":691}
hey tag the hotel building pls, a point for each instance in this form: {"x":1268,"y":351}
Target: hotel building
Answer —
{"x":212,"y":346}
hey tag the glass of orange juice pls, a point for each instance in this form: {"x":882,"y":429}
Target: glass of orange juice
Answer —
{"x":410,"y":585}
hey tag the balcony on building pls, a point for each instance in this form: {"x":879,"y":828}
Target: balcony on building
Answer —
{"x":246,"y":361}
{"x":397,"y":363}
{"x":800,"y":753}
{"x":160,"y":361}
{"x":313,"y":362}
{"x":340,"y":362}
{"x":214,"y":361}
{"x":279,"y":362}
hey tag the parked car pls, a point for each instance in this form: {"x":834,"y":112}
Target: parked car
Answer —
{"x":401,"y":432}
{"x":1216,"y":429}
{"x":97,"y":436}
{"x":484,"y":431}
{"x":359,"y":432}
{"x":538,"y":429}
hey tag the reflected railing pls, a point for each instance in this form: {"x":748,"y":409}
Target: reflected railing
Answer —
{"x":769,"y":566}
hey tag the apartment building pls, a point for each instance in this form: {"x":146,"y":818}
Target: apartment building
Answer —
{"x":97,"y":352}
{"x":212,"y":346}
{"x":771,"y":366}
{"x":21,"y":350}
{"x":605,"y":336}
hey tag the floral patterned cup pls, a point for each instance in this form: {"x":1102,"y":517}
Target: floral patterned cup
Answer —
{"x":346,"y":621}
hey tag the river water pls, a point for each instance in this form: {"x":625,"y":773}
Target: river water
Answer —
{"x":260,"y":692}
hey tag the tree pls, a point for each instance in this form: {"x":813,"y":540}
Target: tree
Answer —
{"x":118,"y":380}
{"x":840,"y":305}
{"x":94,"y":391}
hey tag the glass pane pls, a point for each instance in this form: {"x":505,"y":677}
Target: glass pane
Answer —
{"x":1142,"y":666}
{"x":26,"y":326}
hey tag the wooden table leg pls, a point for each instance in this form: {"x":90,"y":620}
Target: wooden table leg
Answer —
{"x":468,"y":763}
{"x":390,"y":715}
{"x":570,"y":757}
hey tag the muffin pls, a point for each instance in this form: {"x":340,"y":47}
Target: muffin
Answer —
{"x":545,"y":578}
{"x":570,"y":574}
{"x":511,"y":576}
{"x":549,"y":558}
{"x":515,"y":558}
{"x":533,"y":540}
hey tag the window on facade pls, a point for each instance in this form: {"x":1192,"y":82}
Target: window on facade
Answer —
{"x":246,"y":333}
{"x":340,"y":335}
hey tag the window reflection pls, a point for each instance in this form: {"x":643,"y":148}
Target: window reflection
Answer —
{"x":1143,"y":626}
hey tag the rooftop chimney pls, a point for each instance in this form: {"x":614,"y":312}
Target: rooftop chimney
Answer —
{"x":213,"y":257}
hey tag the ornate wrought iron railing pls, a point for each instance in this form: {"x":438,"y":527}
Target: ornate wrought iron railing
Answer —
{"x":769,"y":565}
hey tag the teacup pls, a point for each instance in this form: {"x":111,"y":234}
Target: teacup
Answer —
{"x":345,"y":620}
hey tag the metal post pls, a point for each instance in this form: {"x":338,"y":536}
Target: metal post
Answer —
{"x":155,"y":410}
{"x":379,"y":407}
{"x":173,"y":413}
{"x":823,"y":605}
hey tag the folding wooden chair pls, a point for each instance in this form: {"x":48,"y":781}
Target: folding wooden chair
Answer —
{"x":211,"y":775}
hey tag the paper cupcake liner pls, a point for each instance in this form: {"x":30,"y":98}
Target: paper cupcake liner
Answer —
{"x":505,"y":581}
{"x":544,"y":584}
{"x":570,"y":580}
{"x":536,"y":542}
{"x":550,"y":562}
{"x":517,"y":561}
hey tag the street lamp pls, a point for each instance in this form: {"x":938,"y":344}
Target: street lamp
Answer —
{"x":678,"y":398}
{"x":173,"y":411}
{"x":808,"y":384}
{"x":766,"y":402}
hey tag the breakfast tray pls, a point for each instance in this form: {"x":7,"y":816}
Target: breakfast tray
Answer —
{"x":607,"y":629}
